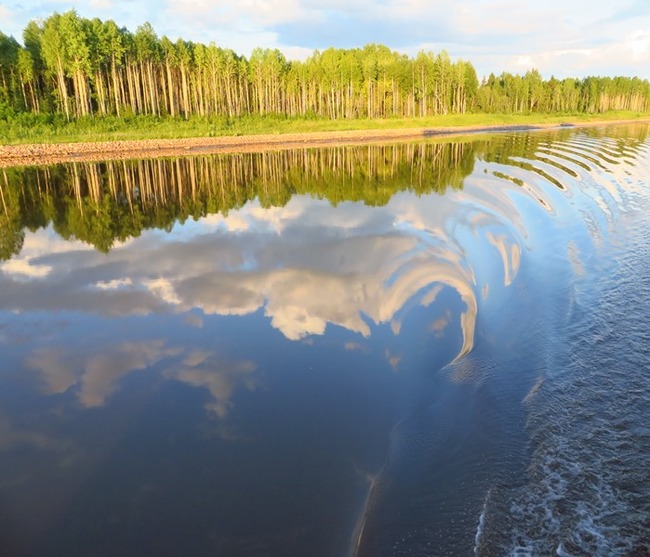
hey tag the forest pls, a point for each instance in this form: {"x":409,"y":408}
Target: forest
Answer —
{"x":72,"y":67}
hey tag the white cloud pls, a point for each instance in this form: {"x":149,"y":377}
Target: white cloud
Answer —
{"x":162,"y":288}
{"x":25,"y":265}
{"x":102,"y":372}
{"x":22,"y":266}
{"x":352,"y":266}
{"x":6,"y":15}
{"x":95,"y":373}
{"x":575,"y":38}
{"x":504,"y":18}
{"x":241,"y":14}
{"x":639,"y":44}
{"x":113,"y":284}
{"x":220,"y":376}
{"x":59,"y":370}
{"x":628,"y":56}
{"x":510,"y":255}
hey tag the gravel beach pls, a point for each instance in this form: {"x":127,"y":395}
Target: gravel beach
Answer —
{"x":41,"y":154}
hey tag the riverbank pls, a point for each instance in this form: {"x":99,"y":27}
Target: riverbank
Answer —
{"x":50,"y":153}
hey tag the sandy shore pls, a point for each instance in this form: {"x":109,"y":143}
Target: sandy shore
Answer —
{"x":40,"y":154}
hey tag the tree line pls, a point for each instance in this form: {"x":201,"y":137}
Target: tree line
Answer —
{"x":79,"y":67}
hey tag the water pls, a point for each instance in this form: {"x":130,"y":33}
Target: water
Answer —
{"x":435,"y":348}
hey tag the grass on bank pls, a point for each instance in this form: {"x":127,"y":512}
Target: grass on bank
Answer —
{"x":32,"y":128}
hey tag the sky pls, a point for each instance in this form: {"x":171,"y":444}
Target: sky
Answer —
{"x":564,"y":38}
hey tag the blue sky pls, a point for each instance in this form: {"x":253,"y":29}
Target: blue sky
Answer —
{"x":558,"y":37}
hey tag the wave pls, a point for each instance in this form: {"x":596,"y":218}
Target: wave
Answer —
{"x":535,"y":443}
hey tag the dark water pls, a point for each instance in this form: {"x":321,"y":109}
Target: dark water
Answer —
{"x":435,"y":348}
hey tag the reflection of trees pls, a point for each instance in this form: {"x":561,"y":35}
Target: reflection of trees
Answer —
{"x":101,"y":203}
{"x":11,"y":238}
{"x":11,"y":227}
{"x":622,"y":141}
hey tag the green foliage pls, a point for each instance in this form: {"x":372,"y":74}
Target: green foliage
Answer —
{"x":27,"y":127}
{"x":102,"y":203}
{"x":108,"y":202}
{"x":91,"y":70}
{"x":12,"y":237}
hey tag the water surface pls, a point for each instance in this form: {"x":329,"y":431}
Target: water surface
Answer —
{"x":431,"y":348}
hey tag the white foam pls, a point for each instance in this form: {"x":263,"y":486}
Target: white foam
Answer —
{"x":481,"y":523}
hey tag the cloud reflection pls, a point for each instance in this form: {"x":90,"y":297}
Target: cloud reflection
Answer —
{"x":96,"y":374}
{"x":218,"y":375}
{"x":102,"y":372}
{"x":306,"y":265}
{"x":510,"y":255}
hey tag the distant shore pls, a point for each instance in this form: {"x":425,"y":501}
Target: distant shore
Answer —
{"x":48,"y":153}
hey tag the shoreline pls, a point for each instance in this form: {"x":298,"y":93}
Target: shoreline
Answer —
{"x":52,"y":153}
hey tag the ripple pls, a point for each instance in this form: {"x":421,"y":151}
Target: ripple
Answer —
{"x":562,"y":365}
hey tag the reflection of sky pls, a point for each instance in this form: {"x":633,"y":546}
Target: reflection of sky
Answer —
{"x":304,"y":266}
{"x":96,"y":371}
{"x":44,"y":242}
{"x":247,"y":354}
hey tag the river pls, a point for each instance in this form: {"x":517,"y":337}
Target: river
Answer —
{"x":428,"y":348}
